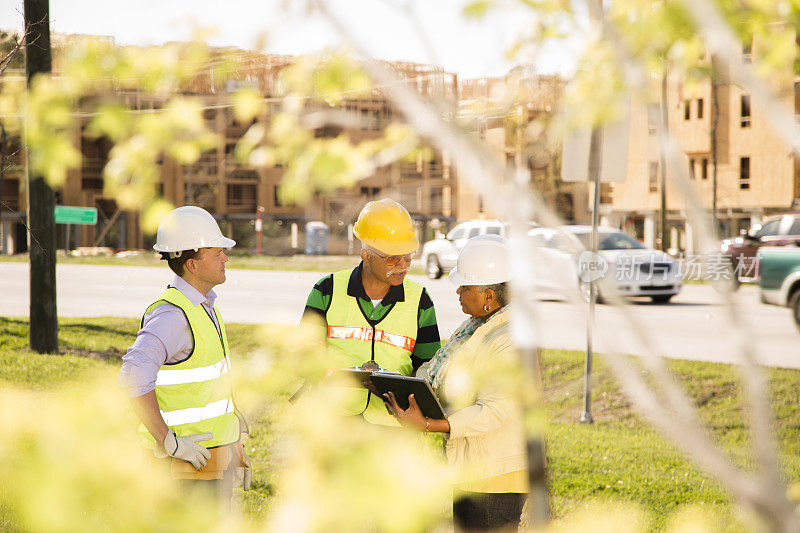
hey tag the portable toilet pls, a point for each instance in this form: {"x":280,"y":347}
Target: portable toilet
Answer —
{"x":317,"y":238}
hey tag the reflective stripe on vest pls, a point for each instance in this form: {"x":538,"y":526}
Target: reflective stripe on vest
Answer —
{"x":193,"y":415}
{"x":194,"y":395}
{"x":365,"y":334}
{"x":167,"y":376}
{"x":352,"y":341}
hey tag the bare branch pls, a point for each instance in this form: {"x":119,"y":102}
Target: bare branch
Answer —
{"x":18,"y":44}
{"x":24,"y":224}
{"x":12,"y":154}
{"x":6,"y":60}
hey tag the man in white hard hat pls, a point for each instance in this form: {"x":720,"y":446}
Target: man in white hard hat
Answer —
{"x":373,"y":312}
{"x":178,"y":370}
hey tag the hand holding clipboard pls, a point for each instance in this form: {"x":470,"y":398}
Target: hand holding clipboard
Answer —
{"x":413,"y":417}
{"x":380,"y":382}
{"x":402,"y":387}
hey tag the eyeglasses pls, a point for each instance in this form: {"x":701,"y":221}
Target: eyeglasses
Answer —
{"x":392,"y":260}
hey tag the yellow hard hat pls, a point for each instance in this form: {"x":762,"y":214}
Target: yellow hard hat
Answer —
{"x":386,"y":226}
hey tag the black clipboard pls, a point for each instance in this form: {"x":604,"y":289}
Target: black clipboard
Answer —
{"x":402,"y":386}
{"x":352,"y":377}
{"x":349,"y":377}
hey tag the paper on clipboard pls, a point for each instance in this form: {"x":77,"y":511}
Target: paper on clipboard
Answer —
{"x":349,"y":377}
{"x":354,"y":376}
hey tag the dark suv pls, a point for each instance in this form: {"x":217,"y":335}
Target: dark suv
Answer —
{"x":776,"y":230}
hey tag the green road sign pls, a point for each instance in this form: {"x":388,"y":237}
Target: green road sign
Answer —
{"x":66,"y":214}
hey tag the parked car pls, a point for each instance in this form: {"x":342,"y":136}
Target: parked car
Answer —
{"x":633,"y":269}
{"x":555,"y":271}
{"x":776,"y":230}
{"x":439,"y":255}
{"x":780,"y":277}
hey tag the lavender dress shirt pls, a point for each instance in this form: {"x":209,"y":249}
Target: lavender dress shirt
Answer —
{"x":164,"y":338}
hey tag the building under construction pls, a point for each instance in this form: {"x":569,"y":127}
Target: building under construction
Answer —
{"x":238,"y":194}
{"x":512,"y":115}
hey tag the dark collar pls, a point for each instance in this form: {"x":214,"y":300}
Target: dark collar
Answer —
{"x":355,"y":288}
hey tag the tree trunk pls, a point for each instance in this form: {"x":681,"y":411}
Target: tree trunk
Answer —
{"x":41,"y":200}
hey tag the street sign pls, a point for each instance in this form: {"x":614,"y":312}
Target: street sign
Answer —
{"x":65,"y":214}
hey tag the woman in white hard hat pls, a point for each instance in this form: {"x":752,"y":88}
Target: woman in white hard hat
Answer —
{"x":484,"y":433}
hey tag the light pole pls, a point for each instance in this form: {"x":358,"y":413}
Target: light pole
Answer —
{"x":595,"y":155}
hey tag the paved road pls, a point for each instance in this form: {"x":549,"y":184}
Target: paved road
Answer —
{"x":693,"y":326}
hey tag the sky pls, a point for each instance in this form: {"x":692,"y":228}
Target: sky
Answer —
{"x":471,"y":48}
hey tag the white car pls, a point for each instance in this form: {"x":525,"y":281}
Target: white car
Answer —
{"x":439,"y":255}
{"x":555,"y":271}
{"x":630,"y":269}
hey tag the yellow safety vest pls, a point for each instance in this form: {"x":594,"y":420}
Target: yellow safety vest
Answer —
{"x":352,"y":341}
{"x":195,"y":395}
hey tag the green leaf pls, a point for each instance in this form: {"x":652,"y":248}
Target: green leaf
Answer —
{"x":184,"y":152}
{"x":339,"y":78}
{"x":113,"y":121}
{"x":154,"y":212}
{"x":248,"y":104}
{"x":477,"y":8}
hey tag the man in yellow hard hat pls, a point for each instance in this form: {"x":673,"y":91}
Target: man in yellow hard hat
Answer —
{"x":372,"y":312}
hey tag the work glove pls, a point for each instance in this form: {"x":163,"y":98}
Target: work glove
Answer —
{"x":243,"y":473}
{"x":158,"y":450}
{"x":187,"y":449}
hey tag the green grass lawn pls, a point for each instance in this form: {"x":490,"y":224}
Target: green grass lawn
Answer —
{"x":618,"y":458}
{"x":621,"y":458}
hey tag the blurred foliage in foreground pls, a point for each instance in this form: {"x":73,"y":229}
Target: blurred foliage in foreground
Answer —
{"x":68,"y":465}
{"x":94,"y":76}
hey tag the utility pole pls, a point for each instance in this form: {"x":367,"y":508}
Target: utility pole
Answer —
{"x":41,"y":200}
{"x":664,"y":131}
{"x":714,"y":126}
{"x":2,"y":175}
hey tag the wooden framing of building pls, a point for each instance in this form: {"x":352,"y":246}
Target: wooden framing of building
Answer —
{"x":235,"y":193}
{"x":756,"y":174}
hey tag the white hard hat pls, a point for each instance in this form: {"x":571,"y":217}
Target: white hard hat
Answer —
{"x":189,"y":228}
{"x":484,"y":260}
